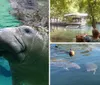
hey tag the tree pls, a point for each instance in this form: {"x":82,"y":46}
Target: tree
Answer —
{"x":92,"y":7}
{"x":61,"y":7}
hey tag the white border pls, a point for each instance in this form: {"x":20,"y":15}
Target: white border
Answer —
{"x":49,"y":44}
{"x":73,"y":43}
{"x":64,"y":43}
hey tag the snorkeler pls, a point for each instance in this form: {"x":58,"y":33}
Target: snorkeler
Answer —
{"x":62,"y":51}
{"x":71,"y":53}
{"x":87,"y":38}
{"x":56,"y":46}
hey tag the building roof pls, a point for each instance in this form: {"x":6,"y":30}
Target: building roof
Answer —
{"x":77,"y":14}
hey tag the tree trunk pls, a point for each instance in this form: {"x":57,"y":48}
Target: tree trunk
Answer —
{"x":92,"y":13}
{"x":93,"y":22}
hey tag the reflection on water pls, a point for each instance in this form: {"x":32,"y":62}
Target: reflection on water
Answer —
{"x":81,"y":69}
{"x":73,"y":27}
{"x":63,"y":33}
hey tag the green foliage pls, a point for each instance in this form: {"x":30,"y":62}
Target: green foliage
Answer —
{"x":67,"y":35}
{"x":61,"y":7}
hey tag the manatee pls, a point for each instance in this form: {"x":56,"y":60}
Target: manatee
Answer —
{"x":65,"y":64}
{"x":91,"y":67}
{"x":27,"y":53}
{"x":72,"y":65}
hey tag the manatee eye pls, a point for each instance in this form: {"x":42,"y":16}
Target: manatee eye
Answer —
{"x":27,"y":30}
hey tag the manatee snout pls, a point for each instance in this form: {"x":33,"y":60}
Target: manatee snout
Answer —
{"x":11,"y":44}
{"x":18,"y":42}
{"x":12,"y":41}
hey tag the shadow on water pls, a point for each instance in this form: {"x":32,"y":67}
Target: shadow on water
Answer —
{"x":83,"y":68}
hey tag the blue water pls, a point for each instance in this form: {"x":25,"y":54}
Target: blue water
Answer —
{"x":84,"y":54}
{"x":5,"y":73}
{"x":6,"y":20}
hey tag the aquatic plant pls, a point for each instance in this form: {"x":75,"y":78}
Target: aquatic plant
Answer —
{"x":66,"y":35}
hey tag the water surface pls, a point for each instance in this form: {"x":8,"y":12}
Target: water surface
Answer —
{"x":85,"y":69}
{"x":69,"y":33}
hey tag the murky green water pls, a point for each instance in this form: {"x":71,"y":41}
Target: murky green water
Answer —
{"x":6,"y":20}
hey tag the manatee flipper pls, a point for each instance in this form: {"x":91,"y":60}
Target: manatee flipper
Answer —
{"x":67,"y":69}
{"x":94,"y":72}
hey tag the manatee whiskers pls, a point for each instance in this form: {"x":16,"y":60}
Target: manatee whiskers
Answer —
{"x":20,"y":41}
{"x":27,"y":53}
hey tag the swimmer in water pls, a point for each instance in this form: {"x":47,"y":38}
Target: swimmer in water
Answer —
{"x":71,"y":53}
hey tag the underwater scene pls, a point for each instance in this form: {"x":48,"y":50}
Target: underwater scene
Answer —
{"x":6,"y":20}
{"x":5,"y":72}
{"x":75,"y":64}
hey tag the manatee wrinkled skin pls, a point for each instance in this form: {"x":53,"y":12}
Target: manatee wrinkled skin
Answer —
{"x":27,"y":53}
